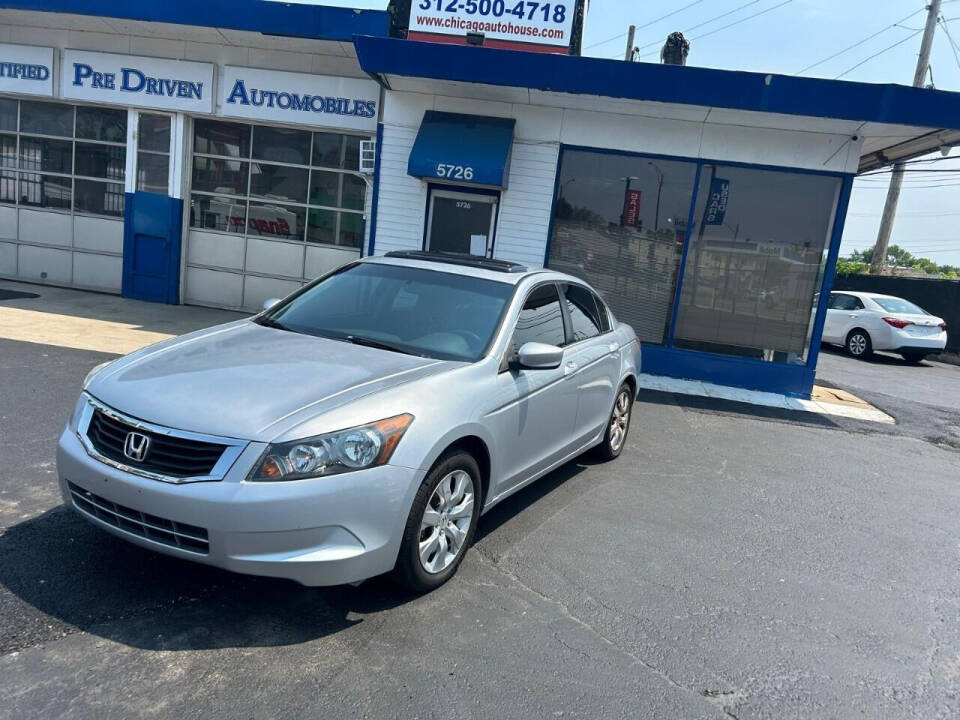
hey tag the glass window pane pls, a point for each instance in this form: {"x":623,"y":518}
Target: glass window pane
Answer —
{"x":154,"y":133}
{"x":221,"y":138}
{"x":99,"y":198}
{"x":102,"y":161}
{"x":279,"y":181}
{"x":351,"y":230}
{"x":220,"y":176}
{"x":351,"y":153}
{"x":602,"y":312}
{"x":322,"y":227}
{"x":756,"y":257}
{"x":541,"y":319}
{"x":152,"y":173}
{"x":279,"y":221}
{"x":96,"y":123}
{"x":8,"y":150}
{"x":8,"y":186}
{"x":327,"y":149}
{"x":223,"y":213}
{"x":8,"y":114}
{"x":44,"y":154}
{"x":281,"y":145}
{"x":354,"y":191}
{"x":46,"y":118}
{"x":324,"y":188}
{"x":584,"y":320}
{"x":50,"y":191}
{"x":620,"y":224}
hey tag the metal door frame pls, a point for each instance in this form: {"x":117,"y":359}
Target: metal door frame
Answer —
{"x":491,"y":199}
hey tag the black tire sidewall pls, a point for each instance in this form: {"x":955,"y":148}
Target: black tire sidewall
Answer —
{"x":408,"y":569}
{"x":604,"y":450}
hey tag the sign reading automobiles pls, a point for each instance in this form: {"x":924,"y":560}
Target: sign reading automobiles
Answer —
{"x":519,"y":21}
{"x":138,"y":81}
{"x":26,"y":69}
{"x":285,"y":97}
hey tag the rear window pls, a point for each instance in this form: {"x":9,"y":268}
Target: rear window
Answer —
{"x":899,"y":305}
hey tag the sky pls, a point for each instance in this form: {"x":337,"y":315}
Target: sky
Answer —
{"x":788,"y":37}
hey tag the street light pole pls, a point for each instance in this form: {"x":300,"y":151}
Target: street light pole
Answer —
{"x":656,"y":215}
{"x":896,"y":179}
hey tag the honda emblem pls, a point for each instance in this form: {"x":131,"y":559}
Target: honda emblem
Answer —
{"x":135,"y":446}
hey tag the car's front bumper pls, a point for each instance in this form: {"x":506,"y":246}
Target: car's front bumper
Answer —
{"x":323,"y":531}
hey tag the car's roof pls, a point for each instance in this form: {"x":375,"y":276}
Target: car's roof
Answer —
{"x":512,"y":277}
{"x":863,"y":294}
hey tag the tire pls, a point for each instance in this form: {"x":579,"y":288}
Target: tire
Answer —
{"x":620,"y":415}
{"x":914,"y":358}
{"x":859,"y":344}
{"x":449,"y":519}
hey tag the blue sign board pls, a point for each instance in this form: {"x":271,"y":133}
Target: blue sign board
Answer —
{"x":716,"y":210}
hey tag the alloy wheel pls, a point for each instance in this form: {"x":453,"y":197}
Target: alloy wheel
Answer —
{"x":446,"y":520}
{"x":620,"y":420}
{"x":857,"y":344}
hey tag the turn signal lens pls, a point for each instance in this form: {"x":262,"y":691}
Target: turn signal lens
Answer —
{"x":897,"y":323}
{"x":333,"y":453}
{"x":943,"y":326}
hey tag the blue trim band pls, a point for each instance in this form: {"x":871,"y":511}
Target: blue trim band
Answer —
{"x":316,"y":22}
{"x":706,"y":87}
{"x":375,"y":200}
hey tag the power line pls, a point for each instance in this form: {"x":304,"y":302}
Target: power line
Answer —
{"x":737,"y":22}
{"x":860,"y":42}
{"x":706,"y":22}
{"x":877,"y":54}
{"x":640,"y":27}
{"x":953,"y":45}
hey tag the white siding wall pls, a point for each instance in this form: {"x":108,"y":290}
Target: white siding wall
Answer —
{"x":402,"y":199}
{"x":526,"y":205}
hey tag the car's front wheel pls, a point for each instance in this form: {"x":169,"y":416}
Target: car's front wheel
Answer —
{"x":859,"y":344}
{"x":618,"y":425}
{"x":441,"y":523}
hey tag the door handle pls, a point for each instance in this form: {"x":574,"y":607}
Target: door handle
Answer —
{"x":613,"y":347}
{"x":569,"y":367}
{"x":854,"y":316}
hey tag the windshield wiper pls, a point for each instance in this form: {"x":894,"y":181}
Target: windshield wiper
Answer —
{"x":379,"y":344}
{"x":271,"y":323}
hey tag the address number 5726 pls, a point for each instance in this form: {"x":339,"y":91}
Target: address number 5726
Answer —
{"x":454,"y":172}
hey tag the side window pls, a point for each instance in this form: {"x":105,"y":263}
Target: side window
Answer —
{"x":541,"y":319}
{"x":857,"y":304}
{"x":584,"y":317}
{"x":604,"y":314}
{"x":844,"y":302}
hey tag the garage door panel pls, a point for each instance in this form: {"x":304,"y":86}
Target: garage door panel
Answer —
{"x":8,"y":259}
{"x":45,"y":264}
{"x":210,"y":287}
{"x":98,"y":271}
{"x":100,"y":234}
{"x":8,"y":223}
{"x":321,"y":260}
{"x":258,"y":289}
{"x":215,"y":249}
{"x":45,"y":227}
{"x":271,"y":257}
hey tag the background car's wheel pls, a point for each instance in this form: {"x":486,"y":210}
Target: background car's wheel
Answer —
{"x":914,"y":358}
{"x":441,"y":523}
{"x":859,"y":344}
{"x":617,"y":427}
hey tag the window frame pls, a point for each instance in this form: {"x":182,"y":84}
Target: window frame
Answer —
{"x":249,"y":198}
{"x":568,"y":323}
{"x":506,"y":361}
{"x":16,"y":173}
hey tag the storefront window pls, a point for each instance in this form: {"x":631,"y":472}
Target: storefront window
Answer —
{"x":755,"y":262}
{"x":620,"y":224}
{"x":277,"y":182}
{"x":66,"y":157}
{"x":153,"y":153}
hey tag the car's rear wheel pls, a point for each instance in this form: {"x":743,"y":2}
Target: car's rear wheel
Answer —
{"x":859,"y":344}
{"x":914,"y":358}
{"x":441,"y":523}
{"x":618,"y":425}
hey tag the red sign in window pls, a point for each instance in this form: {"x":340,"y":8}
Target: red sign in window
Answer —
{"x":631,"y":209}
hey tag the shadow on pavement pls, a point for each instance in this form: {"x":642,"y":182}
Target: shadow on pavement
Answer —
{"x":732,"y":407}
{"x":877,"y":358}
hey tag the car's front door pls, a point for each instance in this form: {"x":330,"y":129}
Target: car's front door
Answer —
{"x":532,"y":412}
{"x":841,"y":314}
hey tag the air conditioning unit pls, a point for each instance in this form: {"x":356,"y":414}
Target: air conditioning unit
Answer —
{"x":368,"y":156}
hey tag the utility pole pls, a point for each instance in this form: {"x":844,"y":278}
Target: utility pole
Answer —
{"x":896,"y":178}
{"x":628,"y":55}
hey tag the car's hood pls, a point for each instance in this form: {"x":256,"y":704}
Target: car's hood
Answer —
{"x":246,"y":381}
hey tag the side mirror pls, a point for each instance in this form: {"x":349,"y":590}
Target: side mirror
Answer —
{"x":539,"y":356}
{"x":267,"y":304}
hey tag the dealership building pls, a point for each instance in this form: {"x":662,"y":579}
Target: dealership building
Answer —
{"x":228,"y":152}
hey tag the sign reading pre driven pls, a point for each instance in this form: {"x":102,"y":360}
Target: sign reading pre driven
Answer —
{"x":138,"y":81}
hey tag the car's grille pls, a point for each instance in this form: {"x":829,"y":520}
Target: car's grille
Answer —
{"x":166,"y":454}
{"x":168,"y":532}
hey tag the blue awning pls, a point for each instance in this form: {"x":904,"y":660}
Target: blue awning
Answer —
{"x":463,"y":149}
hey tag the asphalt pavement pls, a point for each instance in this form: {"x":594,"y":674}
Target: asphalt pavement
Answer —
{"x":734,"y":562}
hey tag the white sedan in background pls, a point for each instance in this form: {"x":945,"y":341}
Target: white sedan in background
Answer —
{"x":863,"y":322}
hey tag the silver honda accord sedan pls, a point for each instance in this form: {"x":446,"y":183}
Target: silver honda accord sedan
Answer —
{"x":359,"y":426}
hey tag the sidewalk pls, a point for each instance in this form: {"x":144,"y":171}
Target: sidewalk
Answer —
{"x":95,"y":321}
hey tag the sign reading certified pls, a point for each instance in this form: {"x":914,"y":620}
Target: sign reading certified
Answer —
{"x":139,"y":81}
{"x":521,"y":21}
{"x":26,"y":69}
{"x":287,"y":97}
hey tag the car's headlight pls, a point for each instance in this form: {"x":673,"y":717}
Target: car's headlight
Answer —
{"x":337,"y":452}
{"x":94,"y":372}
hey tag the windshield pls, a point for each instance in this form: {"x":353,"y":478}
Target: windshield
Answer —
{"x":421,"y":312}
{"x":898,"y":305}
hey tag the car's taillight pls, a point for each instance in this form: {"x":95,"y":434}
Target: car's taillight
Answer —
{"x":897,"y":323}
{"x":943,"y":326}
